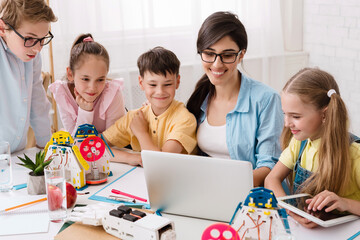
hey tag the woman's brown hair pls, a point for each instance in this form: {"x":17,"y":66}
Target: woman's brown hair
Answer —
{"x":214,"y":28}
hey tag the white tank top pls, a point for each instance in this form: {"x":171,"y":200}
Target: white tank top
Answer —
{"x":212,"y":140}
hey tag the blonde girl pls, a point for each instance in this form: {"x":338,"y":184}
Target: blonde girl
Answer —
{"x":328,"y":167}
{"x":87,"y":97}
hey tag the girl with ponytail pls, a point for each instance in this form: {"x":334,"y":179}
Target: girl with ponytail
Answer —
{"x":87,"y":96}
{"x":319,"y":156}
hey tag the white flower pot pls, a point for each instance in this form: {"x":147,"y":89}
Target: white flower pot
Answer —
{"x":36,"y":184}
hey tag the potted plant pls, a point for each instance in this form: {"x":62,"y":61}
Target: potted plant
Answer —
{"x":36,"y":179}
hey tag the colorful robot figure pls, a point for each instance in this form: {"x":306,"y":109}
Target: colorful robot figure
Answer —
{"x":61,"y":148}
{"x":258,"y":218}
{"x":95,"y":151}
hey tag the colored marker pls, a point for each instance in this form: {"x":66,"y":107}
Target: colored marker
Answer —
{"x":121,"y":199}
{"x":128,"y":195}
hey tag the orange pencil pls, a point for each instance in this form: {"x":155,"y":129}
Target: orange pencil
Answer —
{"x":22,"y":205}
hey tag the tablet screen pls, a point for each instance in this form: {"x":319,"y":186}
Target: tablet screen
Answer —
{"x":300,"y":203}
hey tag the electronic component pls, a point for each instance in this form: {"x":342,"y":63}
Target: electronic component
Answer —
{"x":138,"y":225}
{"x":125,"y":223}
{"x":260,"y":217}
{"x":257,"y":218}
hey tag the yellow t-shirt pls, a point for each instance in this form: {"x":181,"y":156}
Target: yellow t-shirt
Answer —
{"x":310,"y":161}
{"x":176,"y":123}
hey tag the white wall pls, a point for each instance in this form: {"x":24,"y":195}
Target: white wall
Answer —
{"x":332,"y":38}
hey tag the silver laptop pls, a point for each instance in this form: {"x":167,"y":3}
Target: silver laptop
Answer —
{"x":196,"y":186}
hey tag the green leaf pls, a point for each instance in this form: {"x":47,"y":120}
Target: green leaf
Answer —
{"x":38,"y":159}
{"x":40,"y":169}
{"x":27,"y":162}
{"x":39,"y":165}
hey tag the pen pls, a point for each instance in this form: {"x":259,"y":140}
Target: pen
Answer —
{"x":122,"y":199}
{"x":82,"y":193}
{"x":22,"y":205}
{"x":128,"y":195}
{"x":20,"y":186}
{"x":354,"y":236}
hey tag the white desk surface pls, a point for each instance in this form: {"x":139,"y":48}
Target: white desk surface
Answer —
{"x":186,"y":228}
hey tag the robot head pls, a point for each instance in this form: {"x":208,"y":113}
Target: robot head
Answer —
{"x":85,"y":131}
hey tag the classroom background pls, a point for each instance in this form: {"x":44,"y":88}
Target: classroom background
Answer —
{"x":284,"y":36}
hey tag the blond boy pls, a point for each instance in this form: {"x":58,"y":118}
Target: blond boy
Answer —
{"x":163,"y":125}
{"x":24,"y":30}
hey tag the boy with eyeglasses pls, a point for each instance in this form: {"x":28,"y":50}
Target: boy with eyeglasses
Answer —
{"x":24,"y":30}
{"x":163,"y":125}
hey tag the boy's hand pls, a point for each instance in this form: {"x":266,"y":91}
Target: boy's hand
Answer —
{"x":144,"y":104}
{"x":130,"y":158}
{"x":327,"y":199}
{"x":83,"y":104}
{"x":134,"y":160}
{"x":139,"y":125}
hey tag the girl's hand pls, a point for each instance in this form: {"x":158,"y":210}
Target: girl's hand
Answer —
{"x":83,"y":104}
{"x":303,"y":221}
{"x":327,"y":199}
{"x":139,"y":125}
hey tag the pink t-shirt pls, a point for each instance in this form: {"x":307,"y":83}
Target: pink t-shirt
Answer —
{"x":108,"y":107}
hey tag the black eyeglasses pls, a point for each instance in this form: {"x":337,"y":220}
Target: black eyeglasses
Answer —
{"x":30,"y":42}
{"x":210,"y":57}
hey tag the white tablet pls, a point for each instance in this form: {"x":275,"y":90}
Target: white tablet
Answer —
{"x":296,"y":203}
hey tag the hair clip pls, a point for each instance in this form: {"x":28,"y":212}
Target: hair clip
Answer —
{"x":88,"y":39}
{"x":331,"y":92}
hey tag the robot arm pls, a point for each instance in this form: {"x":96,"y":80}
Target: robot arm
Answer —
{"x":124,"y":222}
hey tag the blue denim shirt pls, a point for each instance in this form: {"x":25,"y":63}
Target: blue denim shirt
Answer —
{"x":23,"y":101}
{"x":254,"y":126}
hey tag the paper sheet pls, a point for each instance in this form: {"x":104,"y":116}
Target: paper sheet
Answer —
{"x":29,"y":219}
{"x":84,"y":232}
{"x":132,"y":182}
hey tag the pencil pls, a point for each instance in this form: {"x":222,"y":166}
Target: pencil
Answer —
{"x":22,"y":205}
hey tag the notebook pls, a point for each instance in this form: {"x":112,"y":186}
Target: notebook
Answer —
{"x":196,"y":186}
{"x":29,"y":219}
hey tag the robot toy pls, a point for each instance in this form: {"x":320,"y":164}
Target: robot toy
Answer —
{"x":95,"y":151}
{"x":61,"y":147}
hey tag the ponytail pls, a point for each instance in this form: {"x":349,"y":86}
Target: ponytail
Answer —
{"x":334,"y":151}
{"x":203,"y":88}
{"x":81,"y":48}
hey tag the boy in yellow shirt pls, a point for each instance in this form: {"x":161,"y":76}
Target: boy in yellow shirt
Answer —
{"x":164,"y":124}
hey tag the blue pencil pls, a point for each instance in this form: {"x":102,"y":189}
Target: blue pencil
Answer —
{"x":354,"y":236}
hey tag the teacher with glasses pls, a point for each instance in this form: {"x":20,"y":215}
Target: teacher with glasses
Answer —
{"x":238,"y":118}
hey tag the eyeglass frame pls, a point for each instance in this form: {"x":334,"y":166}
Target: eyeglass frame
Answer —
{"x":28,"y":38}
{"x":221,"y":58}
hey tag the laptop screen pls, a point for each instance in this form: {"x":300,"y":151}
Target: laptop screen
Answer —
{"x":196,"y":186}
